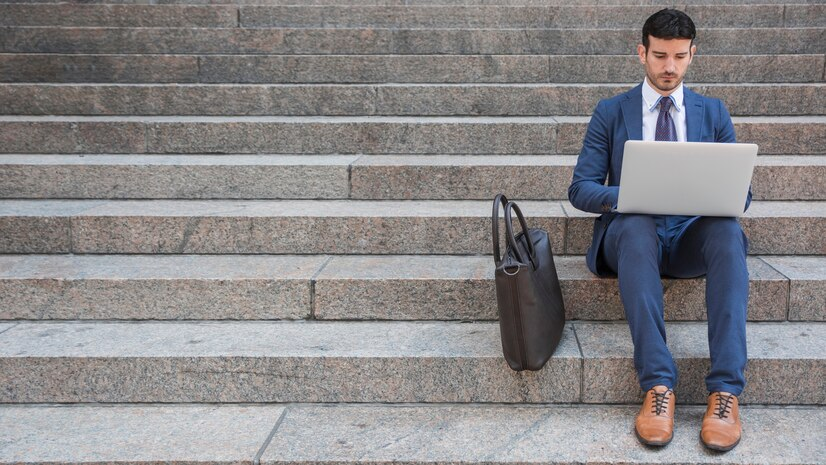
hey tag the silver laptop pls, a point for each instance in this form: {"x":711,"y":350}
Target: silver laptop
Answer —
{"x":685,"y":178}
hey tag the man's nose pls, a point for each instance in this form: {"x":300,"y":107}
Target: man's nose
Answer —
{"x":670,"y":66}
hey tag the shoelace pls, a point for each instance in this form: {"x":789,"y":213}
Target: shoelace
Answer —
{"x":723,"y":405}
{"x":660,"y":402}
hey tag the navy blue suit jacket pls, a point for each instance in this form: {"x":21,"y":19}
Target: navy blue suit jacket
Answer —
{"x":615,"y":121}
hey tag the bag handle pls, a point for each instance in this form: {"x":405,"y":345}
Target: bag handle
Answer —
{"x":512,"y":206}
{"x":500,"y":199}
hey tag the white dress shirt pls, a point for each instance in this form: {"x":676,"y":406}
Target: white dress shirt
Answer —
{"x":651,"y":110}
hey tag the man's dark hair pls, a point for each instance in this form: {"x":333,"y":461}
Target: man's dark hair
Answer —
{"x":668,"y":24}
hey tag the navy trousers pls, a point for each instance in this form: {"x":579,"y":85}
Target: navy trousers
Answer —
{"x":712,"y":246}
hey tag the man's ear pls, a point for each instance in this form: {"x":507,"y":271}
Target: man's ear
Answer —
{"x":641,"y":52}
{"x":693,"y":52}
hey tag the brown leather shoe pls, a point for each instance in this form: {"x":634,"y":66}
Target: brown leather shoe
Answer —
{"x":721,"y":423}
{"x":655,"y":422}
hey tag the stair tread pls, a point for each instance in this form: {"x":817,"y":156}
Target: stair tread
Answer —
{"x":373,"y":339}
{"x":343,"y":361}
{"x":339,"y":160}
{"x":816,"y":119}
{"x":147,"y":434}
{"x":465,"y":434}
{"x":341,"y":208}
{"x":389,"y":287}
{"x":338,"y":226}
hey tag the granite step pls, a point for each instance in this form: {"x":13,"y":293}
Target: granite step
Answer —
{"x":518,"y":135}
{"x":484,"y":16}
{"x":411,"y":16}
{"x":365,"y":177}
{"x":305,"y":434}
{"x":424,"y":2}
{"x":396,"y":41}
{"x":475,"y":434}
{"x":402,"y":288}
{"x":79,"y":15}
{"x":179,"y":176}
{"x":146,"y":434}
{"x":442,"y":227}
{"x":390,"y":287}
{"x":377,"y":99}
{"x":376,"y":362}
{"x":307,"y":69}
{"x":158,"y":287}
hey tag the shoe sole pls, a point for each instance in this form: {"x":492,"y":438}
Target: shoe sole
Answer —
{"x":652,"y":443}
{"x":719,"y":448}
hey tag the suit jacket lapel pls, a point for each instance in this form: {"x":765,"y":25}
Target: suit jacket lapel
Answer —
{"x":632,"y":113}
{"x":694,"y":115}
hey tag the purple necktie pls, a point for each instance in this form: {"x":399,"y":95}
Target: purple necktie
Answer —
{"x":665,"y":125}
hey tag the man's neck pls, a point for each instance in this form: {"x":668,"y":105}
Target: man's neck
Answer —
{"x":659,"y":91}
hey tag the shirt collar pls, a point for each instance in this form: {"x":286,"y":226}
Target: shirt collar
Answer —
{"x":651,"y":98}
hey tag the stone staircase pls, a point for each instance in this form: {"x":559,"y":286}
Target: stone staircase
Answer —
{"x":258,"y":231}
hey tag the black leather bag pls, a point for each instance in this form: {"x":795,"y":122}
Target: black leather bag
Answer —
{"x":531,"y":310}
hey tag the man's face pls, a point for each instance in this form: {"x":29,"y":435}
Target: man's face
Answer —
{"x":666,"y":61}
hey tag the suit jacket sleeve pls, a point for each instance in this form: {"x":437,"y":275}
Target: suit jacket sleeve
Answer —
{"x":725,"y":133}
{"x":588,"y":191}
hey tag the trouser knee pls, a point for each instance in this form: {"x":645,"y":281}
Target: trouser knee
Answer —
{"x":724,"y":237}
{"x":638,"y":232}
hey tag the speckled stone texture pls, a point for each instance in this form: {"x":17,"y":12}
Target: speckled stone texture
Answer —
{"x":790,"y":135}
{"x":274,"y":362}
{"x":786,"y":363}
{"x":736,"y":16}
{"x":573,"y":16}
{"x":448,"y":16}
{"x":804,"y":15}
{"x":406,"y":287}
{"x":174,"y":176}
{"x":767,"y":99}
{"x":224,"y":226}
{"x":342,"y":226}
{"x":408,"y":177}
{"x":22,"y":234}
{"x":461,"y":177}
{"x":807,"y":292}
{"x":151,"y":434}
{"x":725,"y":41}
{"x":303,"y":69}
{"x":98,"y":68}
{"x":760,"y":41}
{"x":118,"y":15}
{"x":156,"y":287}
{"x":158,"y":99}
{"x":362,"y":68}
{"x":469,"y":2}
{"x":789,"y":178}
{"x":505,"y":100}
{"x":462,"y":288}
{"x":378,"y":99}
{"x":54,"y":135}
{"x":786,"y":228}
{"x":457,"y":435}
{"x":368,"y":135}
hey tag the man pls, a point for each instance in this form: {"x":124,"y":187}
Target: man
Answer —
{"x":641,"y":248}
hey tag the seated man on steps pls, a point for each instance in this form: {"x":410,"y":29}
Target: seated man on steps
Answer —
{"x":641,"y":248}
